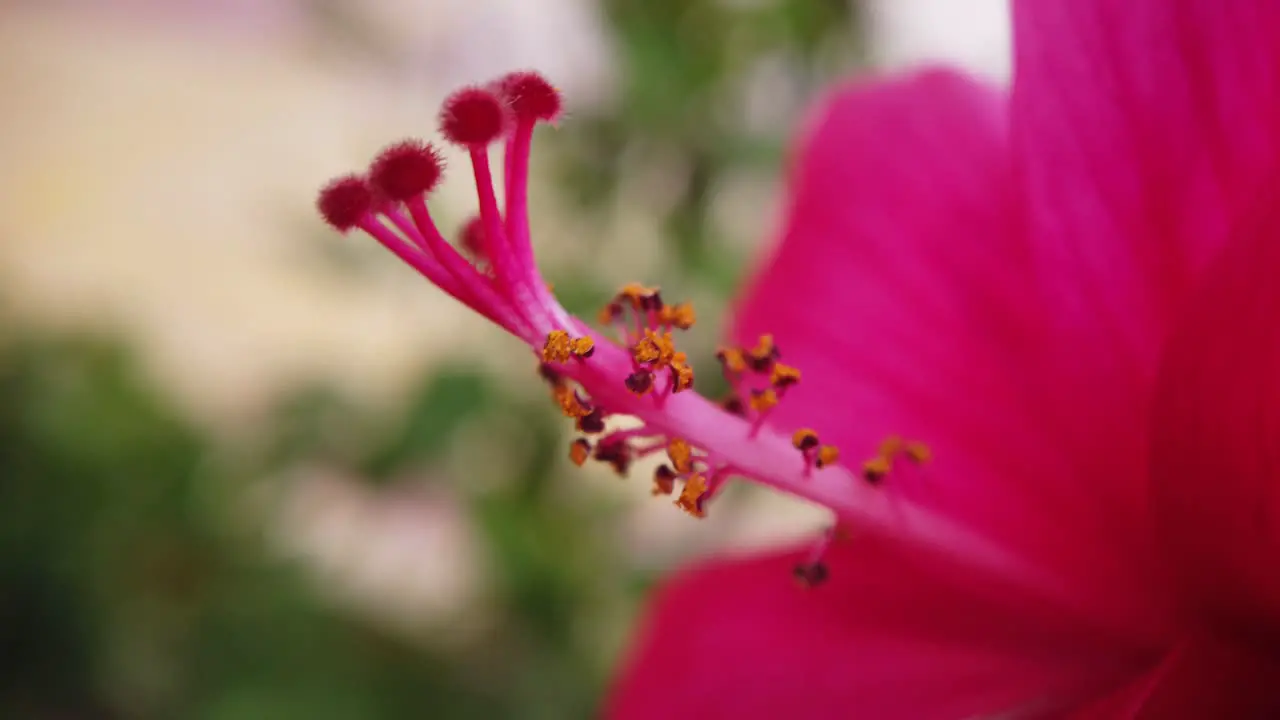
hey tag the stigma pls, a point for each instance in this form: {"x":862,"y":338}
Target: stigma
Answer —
{"x":625,"y":385}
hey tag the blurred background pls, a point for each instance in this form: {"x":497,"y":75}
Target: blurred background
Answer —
{"x":253,"y":469}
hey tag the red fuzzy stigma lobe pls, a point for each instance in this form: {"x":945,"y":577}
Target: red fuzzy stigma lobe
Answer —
{"x":472,"y":237}
{"x":406,"y":170}
{"x":473,"y":117}
{"x":345,"y":201}
{"x":530,"y":96}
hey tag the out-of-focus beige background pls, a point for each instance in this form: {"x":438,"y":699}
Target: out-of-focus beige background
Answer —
{"x":159,"y":165}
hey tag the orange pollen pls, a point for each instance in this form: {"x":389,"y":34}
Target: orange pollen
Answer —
{"x":804,"y":439}
{"x":762,"y":400}
{"x":569,"y":402}
{"x":664,"y":480}
{"x":762,"y":356}
{"x":679,"y":316}
{"x":918,"y":453}
{"x":656,"y":349}
{"x":783,"y":376}
{"x":558,"y":347}
{"x":610,"y":313}
{"x":875,"y":469}
{"x":732,"y":360}
{"x":683,"y":375}
{"x":579,"y":451}
{"x":694,"y":488}
{"x":639,"y":296}
{"x":891,"y":446}
{"x":827,"y":455}
{"x":681,"y":455}
{"x":583,"y":347}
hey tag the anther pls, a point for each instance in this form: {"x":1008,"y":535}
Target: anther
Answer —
{"x":732,"y":360}
{"x":763,"y":400}
{"x":891,"y":446}
{"x":616,"y":453}
{"x":681,"y":455}
{"x":610,"y":313}
{"x":570,"y":404}
{"x":918,"y":452}
{"x":783,"y":376}
{"x":680,"y":316}
{"x":811,"y":574}
{"x":639,"y":382}
{"x":558,"y":347}
{"x":827,"y":455}
{"x":548,"y":372}
{"x":583,"y":347}
{"x":763,"y":355}
{"x":640,"y":297}
{"x":690,"y":497}
{"x":733,"y":405}
{"x":592,"y":423}
{"x":664,"y":480}
{"x":406,"y":170}
{"x":345,"y":201}
{"x":681,"y":373}
{"x":580,"y":451}
{"x":804,"y":439}
{"x":654,"y":348}
{"x":876,"y":469}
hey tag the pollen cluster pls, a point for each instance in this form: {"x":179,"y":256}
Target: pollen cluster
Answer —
{"x":893,"y":450}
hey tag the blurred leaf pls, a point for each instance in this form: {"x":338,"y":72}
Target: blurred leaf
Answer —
{"x":450,"y":398}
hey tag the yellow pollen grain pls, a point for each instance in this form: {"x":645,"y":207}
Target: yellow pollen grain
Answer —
{"x":609,"y":313}
{"x":918,"y":452}
{"x":694,"y":488}
{"x":891,"y":446}
{"x":680,"y":315}
{"x":579,"y":451}
{"x":569,"y":403}
{"x":804,"y":439}
{"x":583,"y":347}
{"x":732,"y":360}
{"x":764,"y":400}
{"x":764,"y":347}
{"x":784,"y":376}
{"x":681,"y":455}
{"x":876,"y":468}
{"x":557,"y":347}
{"x":636,"y":294}
{"x":646,"y":351}
{"x":683,"y":375}
{"x":827,"y":455}
{"x":664,"y":480}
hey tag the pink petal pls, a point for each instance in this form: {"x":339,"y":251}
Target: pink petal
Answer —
{"x":1205,"y":676}
{"x":904,"y":290}
{"x":1141,"y":128}
{"x":1216,"y":449}
{"x":739,"y":639}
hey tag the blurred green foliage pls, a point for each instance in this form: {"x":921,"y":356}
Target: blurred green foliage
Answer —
{"x":137,"y":580}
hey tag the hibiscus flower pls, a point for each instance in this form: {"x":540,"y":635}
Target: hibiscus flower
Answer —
{"x":1069,"y":291}
{"x":1065,"y":291}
